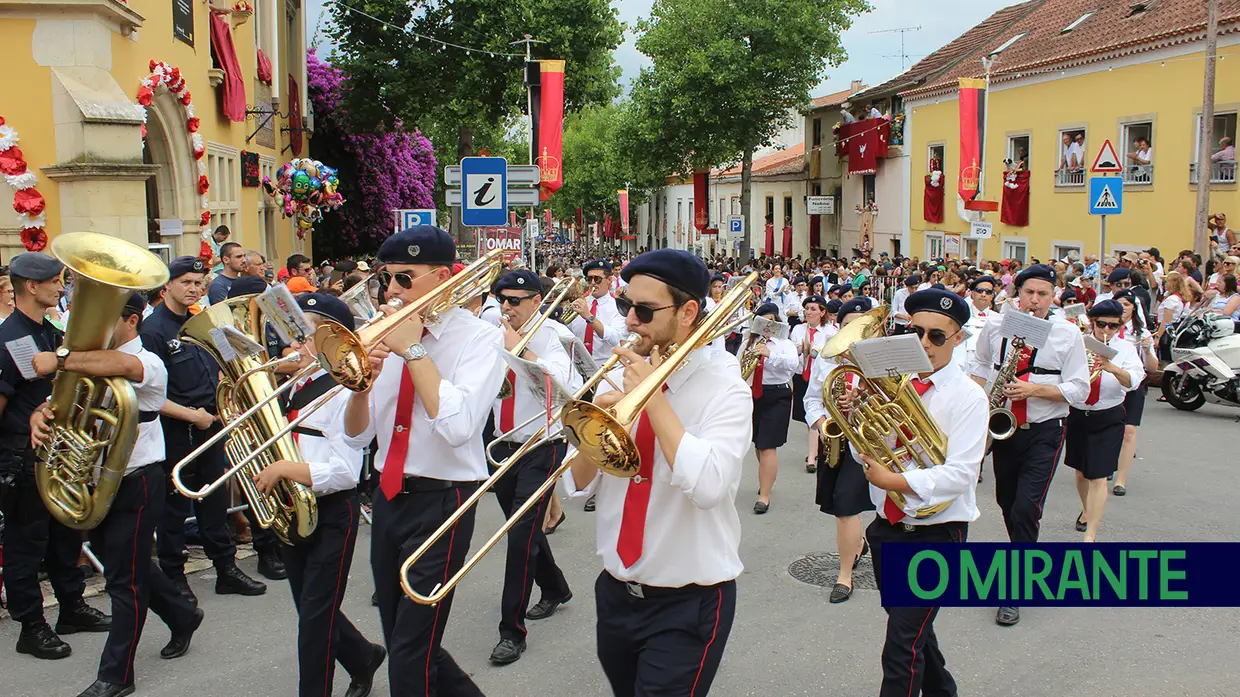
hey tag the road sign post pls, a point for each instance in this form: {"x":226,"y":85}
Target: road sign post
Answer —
{"x":736,"y":227}
{"x":484,"y":191}
{"x":1106,"y":197}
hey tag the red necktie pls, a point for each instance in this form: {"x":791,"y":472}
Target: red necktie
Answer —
{"x":589,"y":340}
{"x":637,"y":498}
{"x":1020,"y":407}
{"x":292,"y":413}
{"x":757,"y":378}
{"x":393,"y":475}
{"x":891,"y":511}
{"x":1121,"y":332}
{"x":809,"y":359}
{"x":506,"y":405}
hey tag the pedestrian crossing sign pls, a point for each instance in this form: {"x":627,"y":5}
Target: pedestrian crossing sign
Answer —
{"x":1106,"y":195}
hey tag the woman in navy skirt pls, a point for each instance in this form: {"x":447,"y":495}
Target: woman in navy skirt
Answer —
{"x":772,"y":398}
{"x":1135,"y":331}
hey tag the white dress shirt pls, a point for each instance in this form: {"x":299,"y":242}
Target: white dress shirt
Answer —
{"x":814,"y":408}
{"x":777,"y":289}
{"x":897,"y":305}
{"x":958,"y":405}
{"x":793,"y":304}
{"x":334,"y":465}
{"x":1110,"y":392}
{"x":717,"y":344}
{"x":780,"y":365}
{"x":565,"y":336}
{"x":693,"y":532}
{"x":799,"y":337}
{"x":614,"y":329}
{"x":491,"y":311}
{"x":465,"y":350}
{"x":1064,"y":350}
{"x":152,"y":392}
{"x":554,"y":359}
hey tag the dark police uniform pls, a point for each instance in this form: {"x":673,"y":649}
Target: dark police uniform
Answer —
{"x":31,"y":534}
{"x":192,"y":380}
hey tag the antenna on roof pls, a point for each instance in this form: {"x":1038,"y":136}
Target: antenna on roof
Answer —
{"x":902,"y":30}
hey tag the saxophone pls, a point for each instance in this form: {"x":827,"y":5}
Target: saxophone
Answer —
{"x":749,"y":358}
{"x":1002,"y":423}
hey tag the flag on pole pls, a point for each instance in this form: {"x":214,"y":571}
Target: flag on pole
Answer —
{"x":624,"y":213}
{"x":972,"y":137}
{"x":550,"y":143}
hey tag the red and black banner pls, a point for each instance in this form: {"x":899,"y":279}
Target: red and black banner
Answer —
{"x":701,"y":199}
{"x":932,"y":201}
{"x":972,"y":137}
{"x":624,"y":212}
{"x":546,"y":82}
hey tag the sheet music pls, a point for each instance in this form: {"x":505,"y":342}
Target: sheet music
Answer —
{"x":580,"y":355}
{"x":22,"y":351}
{"x":1099,"y":348}
{"x":238,"y":341}
{"x":220,"y":340}
{"x":891,"y":356}
{"x":769,"y":328}
{"x":536,"y":379}
{"x":1034,"y":331}
{"x":1074,"y":310}
{"x":281,"y":309}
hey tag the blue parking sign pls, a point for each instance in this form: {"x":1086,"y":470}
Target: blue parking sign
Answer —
{"x":413,"y":217}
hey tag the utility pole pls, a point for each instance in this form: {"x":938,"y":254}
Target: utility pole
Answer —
{"x":1205,"y":138}
{"x":901,"y":31}
{"x":529,"y":42}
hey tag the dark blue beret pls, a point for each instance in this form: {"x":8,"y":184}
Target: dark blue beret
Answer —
{"x":1037,"y":272}
{"x":1067,"y":294}
{"x":1107,"y":308}
{"x":183,"y":265}
{"x":984,"y":279}
{"x":766,"y":309}
{"x":420,"y":244}
{"x":854,"y":305}
{"x":1125,"y":294}
{"x":247,"y":285}
{"x":596,"y":265}
{"x":912,"y":280}
{"x":815,"y":279}
{"x":799,"y":280}
{"x":521,"y":279}
{"x":718,"y":278}
{"x":943,"y":302}
{"x":938,"y":286}
{"x":675,"y":267}
{"x":35,"y":266}
{"x":839,"y":288}
{"x":1118,"y":275}
{"x":833,"y":306}
{"x":328,"y":306}
{"x":815,"y":299}
{"x":136,"y":302}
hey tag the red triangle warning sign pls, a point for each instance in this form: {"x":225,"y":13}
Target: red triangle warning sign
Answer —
{"x":1107,"y":161}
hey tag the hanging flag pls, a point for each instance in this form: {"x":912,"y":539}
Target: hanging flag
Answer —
{"x":701,"y":199}
{"x":550,"y":127}
{"x":624,"y":212}
{"x":972,"y":137}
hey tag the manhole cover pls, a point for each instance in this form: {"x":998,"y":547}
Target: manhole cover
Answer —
{"x":822,"y":569}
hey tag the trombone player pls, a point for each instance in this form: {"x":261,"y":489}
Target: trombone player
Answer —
{"x":669,"y":537}
{"x":529,"y":557}
{"x":434,"y":384}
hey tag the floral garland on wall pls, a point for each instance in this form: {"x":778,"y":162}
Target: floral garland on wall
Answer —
{"x":170,"y":78}
{"x":27,"y":200}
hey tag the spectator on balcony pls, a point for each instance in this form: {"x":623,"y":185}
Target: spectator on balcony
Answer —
{"x":872,"y":112}
{"x":1143,"y":153}
{"x":846,"y":113}
{"x":1226,"y":153}
{"x":1079,"y":144}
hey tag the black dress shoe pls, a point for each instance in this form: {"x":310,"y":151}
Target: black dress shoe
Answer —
{"x":761,"y":507}
{"x":865,"y":548}
{"x":361,"y":684}
{"x":1119,"y":490}
{"x":82,"y":618}
{"x":100,"y":688}
{"x":840,"y":593}
{"x":182,"y":585}
{"x":178,"y":645}
{"x":230,"y":580}
{"x":589,"y":507}
{"x":271,"y":566}
{"x":1007,"y":616}
{"x":40,"y":641}
{"x":507,"y":651}
{"x":546,"y":607}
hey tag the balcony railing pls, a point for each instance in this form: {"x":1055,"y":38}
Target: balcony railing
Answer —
{"x":1069,"y":177}
{"x":1139,"y":174}
{"x":1220,"y":172}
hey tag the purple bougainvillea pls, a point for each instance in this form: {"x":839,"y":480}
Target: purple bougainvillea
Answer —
{"x":379,"y":172}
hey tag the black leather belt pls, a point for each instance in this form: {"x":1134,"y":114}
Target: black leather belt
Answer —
{"x":145,"y":417}
{"x":421,"y":485}
{"x":303,"y":431}
{"x":137,"y":471}
{"x":639,"y":590}
{"x":1035,"y":370}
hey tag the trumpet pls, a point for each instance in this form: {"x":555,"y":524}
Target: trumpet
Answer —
{"x":601,"y":435}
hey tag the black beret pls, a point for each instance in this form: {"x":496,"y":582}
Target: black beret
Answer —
{"x":1118,"y":275}
{"x":799,"y":280}
{"x":247,"y":285}
{"x":1037,"y":272}
{"x":675,"y":267}
{"x":1107,"y":308}
{"x":522,"y":279}
{"x":815,"y":279}
{"x":346,"y":266}
{"x":328,"y":306}
{"x":718,"y":278}
{"x":854,"y":305}
{"x":912,"y":280}
{"x":596,"y":265}
{"x":1067,"y":294}
{"x":420,"y":244}
{"x":839,"y":288}
{"x":766,"y":309}
{"x":815,"y":299}
{"x":984,"y":279}
{"x":136,"y":302}
{"x":1125,"y":294}
{"x":941,"y":301}
{"x":35,"y":266}
{"x":833,"y":306}
{"x":183,"y":265}
{"x":938,"y":286}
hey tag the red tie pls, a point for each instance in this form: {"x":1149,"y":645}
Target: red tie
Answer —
{"x":809,"y":359}
{"x":392,"y":478}
{"x":589,"y":341}
{"x":507,"y":404}
{"x":637,"y":498}
{"x":292,"y":413}
{"x":1020,"y":407}
{"x":1095,"y":390}
{"x":757,"y":378}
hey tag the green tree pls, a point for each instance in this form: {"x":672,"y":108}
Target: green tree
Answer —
{"x":726,"y":74}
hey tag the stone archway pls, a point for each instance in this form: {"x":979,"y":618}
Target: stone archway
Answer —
{"x":172,"y":191}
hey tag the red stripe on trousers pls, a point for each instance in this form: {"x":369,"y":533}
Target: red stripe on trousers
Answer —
{"x":1054,"y":466}
{"x":430,"y":652}
{"x":529,"y":544}
{"x":911,"y":672}
{"x":331,"y":625}
{"x":133,"y":570}
{"x":713,"y":632}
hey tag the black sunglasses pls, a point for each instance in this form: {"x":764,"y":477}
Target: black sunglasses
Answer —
{"x":1108,"y":325}
{"x":938,"y":337}
{"x":984,"y":291}
{"x":645,"y":313}
{"x":595,"y":279}
{"x":511,"y":299}
{"x":404,"y":279}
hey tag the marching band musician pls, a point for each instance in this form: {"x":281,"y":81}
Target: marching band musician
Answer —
{"x":808,"y":337}
{"x":123,"y":539}
{"x":772,"y":400}
{"x":1094,"y":434}
{"x":1135,"y":332}
{"x":717,"y":285}
{"x":32,"y":535}
{"x":913,"y":664}
{"x":1047,"y":380}
{"x":792,"y":305}
{"x":188,"y":420}
{"x":318,"y":567}
{"x":529,"y":557}
{"x":428,"y":404}
{"x":598,"y":324}
{"x":669,"y":537}
{"x":898,"y":311}
{"x":841,"y":489}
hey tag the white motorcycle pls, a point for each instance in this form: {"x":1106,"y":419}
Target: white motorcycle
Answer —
{"x":1203,"y":354}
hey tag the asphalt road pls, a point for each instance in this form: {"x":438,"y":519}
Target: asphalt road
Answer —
{"x":787,"y":640}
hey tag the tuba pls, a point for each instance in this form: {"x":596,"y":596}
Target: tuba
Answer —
{"x":290,"y":510}
{"x":888,"y":406}
{"x":95,"y":419}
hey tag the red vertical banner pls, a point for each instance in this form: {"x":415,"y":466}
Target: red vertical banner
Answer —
{"x":701,"y":199}
{"x":624,"y":212}
{"x":972,"y":137}
{"x":551,"y":128}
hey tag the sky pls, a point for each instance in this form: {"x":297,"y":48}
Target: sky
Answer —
{"x":872,"y":58}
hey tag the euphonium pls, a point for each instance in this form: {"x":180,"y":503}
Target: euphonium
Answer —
{"x":1002,"y":422}
{"x":290,"y":510}
{"x":95,"y":419}
{"x":749,"y":358}
{"x":576,"y":289}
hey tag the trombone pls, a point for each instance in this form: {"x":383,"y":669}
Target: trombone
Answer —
{"x":600,"y":434}
{"x":559,"y":293}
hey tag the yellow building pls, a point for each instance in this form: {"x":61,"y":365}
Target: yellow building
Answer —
{"x":72,"y":81}
{"x":1128,"y":72}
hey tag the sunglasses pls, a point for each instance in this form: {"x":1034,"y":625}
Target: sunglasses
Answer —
{"x":644,"y":313}
{"x":1122,"y":284}
{"x":512,"y":300}
{"x":404,"y":279}
{"x":1108,"y":325}
{"x":938,"y":337}
{"x":984,"y":291}
{"x":592,"y":280}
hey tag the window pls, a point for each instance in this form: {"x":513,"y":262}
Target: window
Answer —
{"x":680,"y":215}
{"x":1017,"y":153}
{"x":787,"y":221}
{"x":1061,"y":250}
{"x":736,"y":205}
{"x":1070,"y":160}
{"x":1007,"y":44}
{"x":934,"y":158}
{"x":817,"y":132}
{"x":934,"y":245}
{"x":1222,"y":151}
{"x":1013,"y":249}
{"x":1077,"y":23}
{"x":1137,"y":152}
{"x":224,"y":196}
{"x":867,"y":189}
{"x":972,"y":249}
{"x":770,"y":210}
{"x":723,"y":212}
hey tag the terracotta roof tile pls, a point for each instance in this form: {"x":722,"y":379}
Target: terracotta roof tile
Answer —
{"x":786,"y":161}
{"x":833,"y":99}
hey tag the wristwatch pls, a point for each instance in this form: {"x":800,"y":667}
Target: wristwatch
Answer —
{"x":62,"y":354}
{"x":414,"y":353}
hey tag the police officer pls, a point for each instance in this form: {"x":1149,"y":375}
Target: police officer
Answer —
{"x":189,"y":419}
{"x":31,"y":534}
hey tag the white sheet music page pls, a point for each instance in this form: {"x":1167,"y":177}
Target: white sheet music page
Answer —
{"x":282,"y":310}
{"x":1099,"y":348}
{"x":532,"y":376}
{"x":1034,"y":331}
{"x":580,"y":355}
{"x":1074,"y":310}
{"x":22,"y":351}
{"x":768,"y":328}
{"x":891,"y":356}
